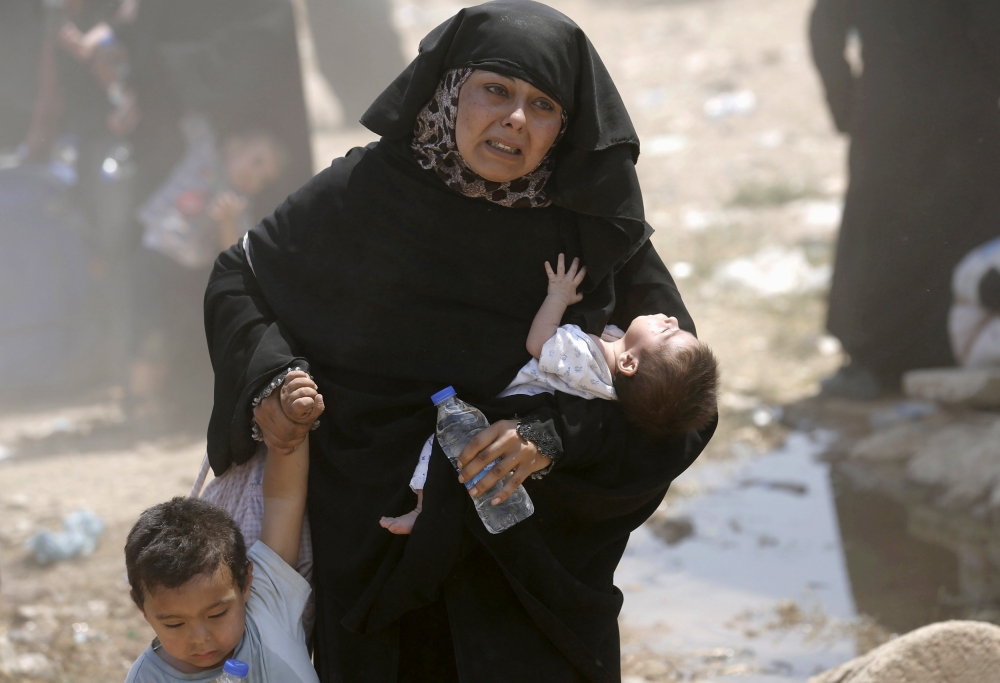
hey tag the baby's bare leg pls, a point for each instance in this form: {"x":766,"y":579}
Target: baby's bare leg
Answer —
{"x":404,"y":524}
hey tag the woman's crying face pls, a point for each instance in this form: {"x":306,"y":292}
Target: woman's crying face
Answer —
{"x":505,"y":126}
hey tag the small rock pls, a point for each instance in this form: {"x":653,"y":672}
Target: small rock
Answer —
{"x":946,"y":652}
{"x":974,"y":387}
{"x":17,"y":501}
{"x":673,"y":530}
{"x":962,"y":458}
{"x":894,"y":444}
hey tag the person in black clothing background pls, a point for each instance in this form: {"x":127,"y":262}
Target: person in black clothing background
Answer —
{"x":235,"y":62}
{"x":924,"y":174}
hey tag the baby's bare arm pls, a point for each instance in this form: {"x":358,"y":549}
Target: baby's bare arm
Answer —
{"x":285,"y":481}
{"x":562,"y":294}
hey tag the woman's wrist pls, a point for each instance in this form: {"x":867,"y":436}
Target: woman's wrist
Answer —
{"x":272,"y":386}
{"x":543,"y":436}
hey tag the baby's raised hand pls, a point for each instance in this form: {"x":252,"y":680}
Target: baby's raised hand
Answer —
{"x":300,"y":398}
{"x":562,"y":282}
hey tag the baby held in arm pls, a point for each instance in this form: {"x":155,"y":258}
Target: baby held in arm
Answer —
{"x":665,"y":379}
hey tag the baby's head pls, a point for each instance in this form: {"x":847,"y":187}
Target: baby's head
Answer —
{"x":253,"y":159}
{"x":188,"y":569}
{"x":666,"y":380}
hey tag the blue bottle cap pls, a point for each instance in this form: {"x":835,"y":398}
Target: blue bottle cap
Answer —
{"x":236,"y":668}
{"x":443,"y":394}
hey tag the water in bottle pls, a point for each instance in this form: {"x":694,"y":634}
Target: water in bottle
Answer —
{"x":233,"y":671}
{"x":457,"y":423}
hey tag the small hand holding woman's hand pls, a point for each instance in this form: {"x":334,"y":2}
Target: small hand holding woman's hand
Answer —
{"x":300,"y":398}
{"x":283,"y":431}
{"x":563,"y":283}
{"x":500,"y":440}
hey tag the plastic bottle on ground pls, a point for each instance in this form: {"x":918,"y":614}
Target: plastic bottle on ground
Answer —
{"x":457,"y":423}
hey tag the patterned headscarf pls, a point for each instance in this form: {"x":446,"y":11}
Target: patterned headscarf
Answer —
{"x":435,"y":148}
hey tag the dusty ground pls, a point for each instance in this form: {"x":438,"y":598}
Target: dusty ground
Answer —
{"x":716,"y":189}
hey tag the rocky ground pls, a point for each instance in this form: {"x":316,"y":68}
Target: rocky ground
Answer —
{"x":742,"y":177}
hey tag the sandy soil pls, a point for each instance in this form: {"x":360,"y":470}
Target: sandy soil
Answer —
{"x":716,"y":189}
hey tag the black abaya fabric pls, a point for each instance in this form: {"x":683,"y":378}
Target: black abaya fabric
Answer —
{"x":389,"y":286}
{"x":924,"y":165}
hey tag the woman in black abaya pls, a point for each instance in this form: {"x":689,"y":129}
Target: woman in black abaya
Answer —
{"x":414,"y":264}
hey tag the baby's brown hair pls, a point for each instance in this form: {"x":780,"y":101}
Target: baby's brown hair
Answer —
{"x":673,"y":391}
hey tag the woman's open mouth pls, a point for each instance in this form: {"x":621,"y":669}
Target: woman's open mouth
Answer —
{"x":506,"y":149}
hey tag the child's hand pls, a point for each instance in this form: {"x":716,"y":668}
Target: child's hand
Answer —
{"x":227,"y":207}
{"x":300,"y":398}
{"x":82,"y":45}
{"x":225,"y":210}
{"x":563,"y":283}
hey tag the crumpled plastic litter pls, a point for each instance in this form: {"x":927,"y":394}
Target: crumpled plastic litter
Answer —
{"x":735,"y":103}
{"x":81,"y":529}
{"x":775,"y":271}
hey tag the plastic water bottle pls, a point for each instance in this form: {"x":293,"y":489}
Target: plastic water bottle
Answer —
{"x":233,"y":671}
{"x":457,"y":423}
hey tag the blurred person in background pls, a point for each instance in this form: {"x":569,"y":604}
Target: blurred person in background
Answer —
{"x":21,"y":28}
{"x":234,"y":65}
{"x":357,"y":49}
{"x":924,"y":174}
{"x":65,"y":195}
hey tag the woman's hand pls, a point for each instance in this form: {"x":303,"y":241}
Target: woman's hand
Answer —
{"x":281,"y":433}
{"x":500,"y":440}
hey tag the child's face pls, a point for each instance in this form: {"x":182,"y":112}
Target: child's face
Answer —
{"x":650,"y":332}
{"x":200,"y":623}
{"x":251,"y":164}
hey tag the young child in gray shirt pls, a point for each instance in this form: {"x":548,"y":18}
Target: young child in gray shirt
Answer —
{"x":208,"y":598}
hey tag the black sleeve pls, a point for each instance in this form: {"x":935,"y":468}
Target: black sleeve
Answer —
{"x":247,"y":347}
{"x":828,"y":27}
{"x":984,"y":30}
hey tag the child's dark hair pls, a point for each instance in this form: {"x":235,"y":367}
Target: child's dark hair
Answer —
{"x":671,"y":393}
{"x":174,"y":542}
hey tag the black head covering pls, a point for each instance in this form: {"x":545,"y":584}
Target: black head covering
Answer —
{"x":595,"y":160}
